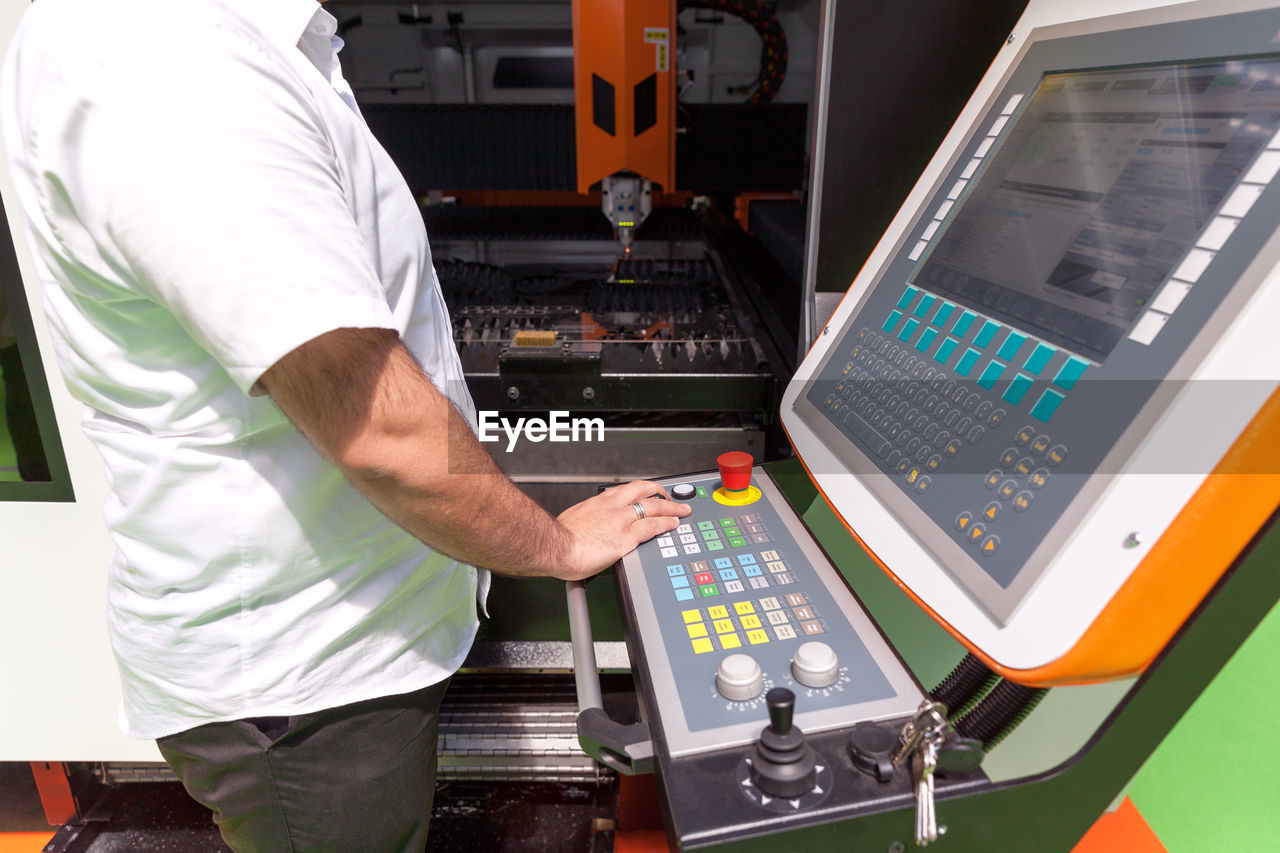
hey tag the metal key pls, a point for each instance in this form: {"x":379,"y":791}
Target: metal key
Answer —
{"x":922,"y":738}
{"x":923,"y":762}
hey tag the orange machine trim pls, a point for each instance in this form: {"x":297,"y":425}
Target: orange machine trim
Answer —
{"x":623,"y":73}
{"x":1202,"y":542}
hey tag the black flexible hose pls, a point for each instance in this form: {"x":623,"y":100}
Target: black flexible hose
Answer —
{"x":773,"y":56}
{"x":967,"y":681}
{"x":999,"y":713}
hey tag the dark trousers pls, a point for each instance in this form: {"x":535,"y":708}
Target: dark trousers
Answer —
{"x":20,"y":418}
{"x":350,"y":779}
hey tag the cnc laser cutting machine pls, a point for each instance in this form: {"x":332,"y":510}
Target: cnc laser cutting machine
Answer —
{"x":1047,"y":410}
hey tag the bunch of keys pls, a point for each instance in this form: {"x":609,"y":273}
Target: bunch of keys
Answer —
{"x":922,"y":737}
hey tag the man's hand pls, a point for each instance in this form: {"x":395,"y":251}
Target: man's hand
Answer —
{"x":606,"y":527}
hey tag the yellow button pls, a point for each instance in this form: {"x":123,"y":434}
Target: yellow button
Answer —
{"x":718,"y":612}
{"x":730,"y":641}
{"x":692,"y":616}
{"x":744,"y":607}
{"x":750,"y":621}
{"x":702,"y":646}
{"x":757,"y":637}
{"x":696,"y":630}
{"x":724,"y":626}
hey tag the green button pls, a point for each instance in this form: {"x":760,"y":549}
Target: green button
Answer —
{"x":732,"y":532}
{"x":709,"y":535}
{"x":737,"y":542}
{"x":728,"y":522}
{"x":715,"y":545}
{"x":709,"y":590}
{"x":706,"y":525}
{"x":702,"y":493}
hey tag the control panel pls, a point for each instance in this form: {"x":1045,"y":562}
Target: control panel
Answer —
{"x":739,"y":600}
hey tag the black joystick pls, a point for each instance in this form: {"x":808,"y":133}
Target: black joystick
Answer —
{"x":783,"y":764}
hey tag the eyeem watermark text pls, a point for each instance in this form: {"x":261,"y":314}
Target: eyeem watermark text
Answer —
{"x":556,"y":427}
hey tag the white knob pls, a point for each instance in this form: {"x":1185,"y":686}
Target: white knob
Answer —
{"x":739,"y":678}
{"x":683,"y":491}
{"x":815,"y":665}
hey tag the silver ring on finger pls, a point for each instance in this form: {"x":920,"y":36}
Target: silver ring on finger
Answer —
{"x":639,"y":509}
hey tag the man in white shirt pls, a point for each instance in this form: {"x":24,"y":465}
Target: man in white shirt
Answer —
{"x":239,"y":287}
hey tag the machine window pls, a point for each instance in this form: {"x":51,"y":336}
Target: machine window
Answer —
{"x":32,"y":466}
{"x":1104,"y":185}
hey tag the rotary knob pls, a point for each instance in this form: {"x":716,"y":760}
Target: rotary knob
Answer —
{"x":815,"y":665}
{"x":683,"y":491}
{"x":739,"y":678}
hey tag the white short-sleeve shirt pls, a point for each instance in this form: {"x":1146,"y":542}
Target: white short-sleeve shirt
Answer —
{"x":203,"y":196}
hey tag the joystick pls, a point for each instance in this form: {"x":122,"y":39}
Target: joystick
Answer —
{"x":782,"y":764}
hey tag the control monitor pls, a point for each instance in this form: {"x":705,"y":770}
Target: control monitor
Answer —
{"x":1044,"y":405}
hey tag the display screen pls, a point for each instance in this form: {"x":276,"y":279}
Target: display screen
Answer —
{"x":1101,"y":188}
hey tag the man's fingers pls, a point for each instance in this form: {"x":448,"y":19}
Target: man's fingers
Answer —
{"x":636,"y":490}
{"x":658,"y":507}
{"x":647,"y":528}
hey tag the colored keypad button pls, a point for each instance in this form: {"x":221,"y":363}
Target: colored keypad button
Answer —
{"x":702,"y":645}
{"x":730,"y":641}
{"x":945,"y":350}
{"x":690,"y":616}
{"x":703,"y":577}
{"x":706,"y":525}
{"x":768,"y":555}
{"x":677,"y":569}
{"x":733,"y":586}
{"x":1011,"y":344}
{"x":757,"y":637}
{"x":770,"y":603}
{"x":732,"y":532}
{"x":750,"y":622}
{"x":752,"y":571}
{"x":904,"y":301}
{"x":944,"y":314}
{"x":710,"y":535}
{"x":784,"y":632}
{"x":697,"y":629}
{"x":746,"y":559}
{"x":718,"y":612}
{"x":776,"y":617}
{"x":724,"y":562}
{"x":743,"y":608}
{"x":967,"y":361}
{"x":737,"y":542}
{"x":727,"y":522}
{"x":1018,"y":388}
{"x":679,"y":582}
{"x":1071,"y":371}
{"x":723,"y":626}
{"x":709,"y":590}
{"x":1039,"y":358}
{"x":728,"y":574}
{"x":757,"y":582}
{"x":715,"y":545}
{"x":684,"y":595}
{"x":926,"y":338}
{"x":925,"y":306}
{"x":776,"y":566}
{"x":908,"y":329}
{"x":1047,"y":404}
{"x":963,"y":324}
{"x":990,"y":374}
{"x":892,"y":322}
{"x":986,"y":333}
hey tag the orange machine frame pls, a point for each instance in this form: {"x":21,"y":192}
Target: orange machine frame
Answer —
{"x":1231,"y":506}
{"x":624,"y":72}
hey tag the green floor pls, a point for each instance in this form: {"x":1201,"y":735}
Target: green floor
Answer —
{"x":1214,"y":784}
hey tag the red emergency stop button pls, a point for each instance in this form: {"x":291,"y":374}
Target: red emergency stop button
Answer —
{"x":735,"y":470}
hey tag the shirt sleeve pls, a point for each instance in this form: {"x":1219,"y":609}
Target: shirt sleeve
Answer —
{"x":224,"y":198}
